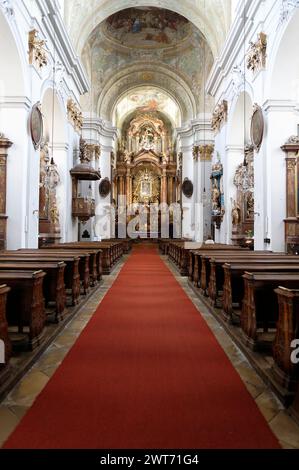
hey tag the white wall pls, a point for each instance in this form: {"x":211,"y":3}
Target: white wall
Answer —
{"x":21,"y":86}
{"x":275,"y":89}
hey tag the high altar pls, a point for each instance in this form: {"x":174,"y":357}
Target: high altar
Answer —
{"x":148,"y":170}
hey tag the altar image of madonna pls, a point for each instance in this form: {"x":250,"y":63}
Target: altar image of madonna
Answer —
{"x":146,"y":189}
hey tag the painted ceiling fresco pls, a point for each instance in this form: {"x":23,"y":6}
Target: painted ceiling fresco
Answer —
{"x":147,"y":27}
{"x":156,"y":38}
{"x":147,"y":100}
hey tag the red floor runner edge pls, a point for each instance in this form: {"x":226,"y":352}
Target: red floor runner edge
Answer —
{"x":146,"y":372}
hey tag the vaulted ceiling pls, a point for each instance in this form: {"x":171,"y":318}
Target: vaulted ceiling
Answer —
{"x":127,"y":46}
{"x":211,"y":17}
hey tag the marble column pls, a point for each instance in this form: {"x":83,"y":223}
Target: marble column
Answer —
{"x":5,"y":144}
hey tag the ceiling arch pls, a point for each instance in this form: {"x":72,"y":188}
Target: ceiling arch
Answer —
{"x":146,"y":99}
{"x":211,"y":17}
{"x":156,"y":77}
{"x":147,"y":46}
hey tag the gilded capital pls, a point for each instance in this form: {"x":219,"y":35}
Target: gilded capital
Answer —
{"x":205,"y":152}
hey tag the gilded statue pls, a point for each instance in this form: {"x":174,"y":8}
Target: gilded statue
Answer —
{"x":37,"y":49}
{"x":236,"y":214}
{"x":44,"y":179}
{"x":54,"y":214}
{"x":215,"y":198}
{"x":257,"y":54}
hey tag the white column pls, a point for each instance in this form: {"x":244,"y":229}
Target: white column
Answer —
{"x":63,"y":189}
{"x":270,"y":178}
{"x":188,"y":226}
{"x":22,"y":197}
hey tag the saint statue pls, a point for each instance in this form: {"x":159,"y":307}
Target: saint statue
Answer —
{"x":236,"y":214}
{"x":215,"y":198}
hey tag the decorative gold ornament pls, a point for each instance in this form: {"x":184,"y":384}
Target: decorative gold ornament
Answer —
{"x":257,"y":54}
{"x":206,"y":152}
{"x":219,"y":116}
{"x":97,"y":151}
{"x":75,"y":115}
{"x":37,"y":50}
{"x":147,"y":76}
{"x":146,"y":187}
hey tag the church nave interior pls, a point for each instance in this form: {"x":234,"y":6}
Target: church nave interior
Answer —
{"x":149,"y":224}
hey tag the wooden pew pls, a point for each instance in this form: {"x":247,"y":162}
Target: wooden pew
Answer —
{"x":95,"y":257}
{"x":179,"y":255}
{"x":210,"y":249}
{"x":71,"y":273}
{"x":216,"y":260}
{"x":111,"y":252}
{"x":233,"y":285}
{"x":25,"y":303}
{"x":163,"y":246}
{"x":287,"y":330}
{"x":204,"y":266}
{"x":215,"y":267}
{"x":260,"y":306}
{"x":4,"y":290}
{"x":55,"y":253}
{"x":294,"y":410}
{"x":126,"y":242}
{"x":53,"y":285}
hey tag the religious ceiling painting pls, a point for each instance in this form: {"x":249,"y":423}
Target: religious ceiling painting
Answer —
{"x":147,"y":28}
{"x":148,"y":100}
{"x":150,"y":41}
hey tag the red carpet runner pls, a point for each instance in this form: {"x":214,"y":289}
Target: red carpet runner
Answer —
{"x":145,"y":373}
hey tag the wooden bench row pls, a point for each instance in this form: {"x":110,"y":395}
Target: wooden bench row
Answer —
{"x":258,"y":291}
{"x":39,"y":285}
{"x":178,"y":252}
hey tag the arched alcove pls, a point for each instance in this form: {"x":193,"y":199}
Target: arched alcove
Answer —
{"x":11,"y":64}
{"x":238,"y":170}
{"x":54,"y":114}
{"x":283,"y":76}
{"x":146,"y":99}
{"x":238,"y":133}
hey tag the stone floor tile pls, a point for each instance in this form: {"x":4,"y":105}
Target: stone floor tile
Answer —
{"x":268,"y":405}
{"x":52,"y":357}
{"x":285,"y":429}
{"x":27,"y":390}
{"x":66,"y":339}
{"x":8,"y":422}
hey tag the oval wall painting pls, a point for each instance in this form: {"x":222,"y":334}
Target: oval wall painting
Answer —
{"x":257,"y":127}
{"x":36,"y":125}
{"x":105,"y":187}
{"x":187,"y":188}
